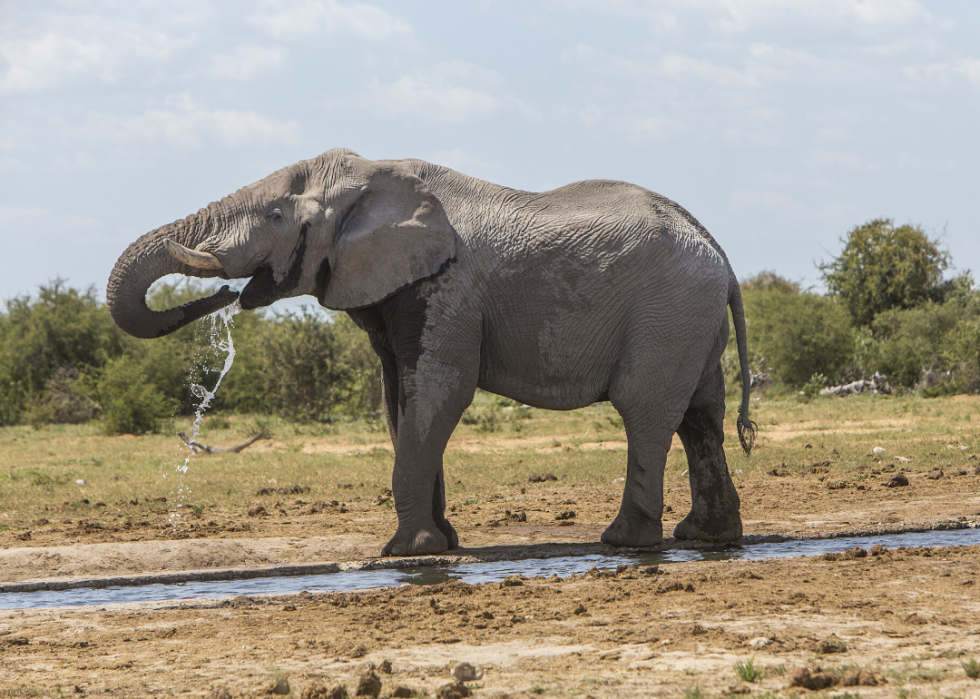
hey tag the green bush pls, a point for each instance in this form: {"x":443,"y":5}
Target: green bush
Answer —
{"x":61,"y":330}
{"x":813,"y":387}
{"x":930,"y":337}
{"x":747,"y":670}
{"x":311,"y":367}
{"x":799,"y":335}
{"x":130,"y":403}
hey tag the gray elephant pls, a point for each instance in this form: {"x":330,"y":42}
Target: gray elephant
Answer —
{"x":596,"y":291}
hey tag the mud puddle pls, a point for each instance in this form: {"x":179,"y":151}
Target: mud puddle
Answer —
{"x":472,"y":573}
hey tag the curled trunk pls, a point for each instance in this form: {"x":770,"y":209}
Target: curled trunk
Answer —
{"x":146,"y":261}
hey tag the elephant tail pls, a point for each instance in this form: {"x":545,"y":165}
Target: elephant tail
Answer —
{"x":746,"y":428}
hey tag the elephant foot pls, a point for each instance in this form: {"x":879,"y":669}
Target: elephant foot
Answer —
{"x":449,"y":532}
{"x":701,"y":524}
{"x":633,"y":532}
{"x":417,"y":542}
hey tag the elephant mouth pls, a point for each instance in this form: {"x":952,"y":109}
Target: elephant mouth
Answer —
{"x":261,"y":290}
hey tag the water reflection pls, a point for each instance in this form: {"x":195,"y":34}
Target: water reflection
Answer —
{"x":473,"y":573}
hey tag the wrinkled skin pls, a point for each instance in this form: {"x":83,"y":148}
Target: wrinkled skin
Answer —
{"x":595,"y":291}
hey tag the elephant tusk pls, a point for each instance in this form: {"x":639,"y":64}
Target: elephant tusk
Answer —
{"x":192,"y":258}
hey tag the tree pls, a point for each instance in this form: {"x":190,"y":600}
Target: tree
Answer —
{"x":883,"y":266}
{"x":767,"y":280}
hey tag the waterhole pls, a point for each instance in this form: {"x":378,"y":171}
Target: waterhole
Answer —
{"x":473,"y":573}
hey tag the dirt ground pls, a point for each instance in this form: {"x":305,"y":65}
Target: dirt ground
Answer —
{"x":289,"y":529}
{"x":908,"y":619}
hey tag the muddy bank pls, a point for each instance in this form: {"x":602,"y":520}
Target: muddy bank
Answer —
{"x":907,"y":618}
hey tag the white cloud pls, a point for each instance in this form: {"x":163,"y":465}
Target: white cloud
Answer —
{"x":182,"y":124}
{"x":449,"y":93}
{"x":329,"y":20}
{"x":247,"y":62}
{"x":838,"y":161}
{"x":72,"y":50}
{"x":725,"y":18}
{"x":941,"y":76}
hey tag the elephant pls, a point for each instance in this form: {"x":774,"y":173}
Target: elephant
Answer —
{"x":595,"y":291}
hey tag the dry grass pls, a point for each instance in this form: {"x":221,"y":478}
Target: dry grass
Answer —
{"x":499,"y":443}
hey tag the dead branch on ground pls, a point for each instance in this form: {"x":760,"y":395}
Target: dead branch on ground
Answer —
{"x":198,"y":447}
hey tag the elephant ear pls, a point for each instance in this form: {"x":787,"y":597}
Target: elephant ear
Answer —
{"x":395,"y":234}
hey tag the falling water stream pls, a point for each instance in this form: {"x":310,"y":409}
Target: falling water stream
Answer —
{"x":219,"y":339}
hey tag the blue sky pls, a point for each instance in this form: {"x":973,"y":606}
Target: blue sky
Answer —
{"x":779,"y":124}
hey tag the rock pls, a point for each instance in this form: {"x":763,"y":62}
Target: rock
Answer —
{"x":567,"y":514}
{"x":281,"y":687}
{"x":899,"y":479}
{"x":878,"y":450}
{"x":802,"y":677}
{"x":512,"y":581}
{"x":464,"y":672}
{"x":369,"y":685}
{"x":760,"y":642}
{"x":359,"y":651}
{"x":542,"y":478}
{"x":318,"y":691}
{"x":453,"y":690}
{"x":580,"y":609}
{"x":385,"y":667}
{"x":402,"y":691}
{"x":219,"y":693}
{"x":257,"y":511}
{"x":831,"y":645}
{"x":856,"y":678}
{"x":935,"y":475}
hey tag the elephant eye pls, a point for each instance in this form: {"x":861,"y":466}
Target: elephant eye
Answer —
{"x":275,"y":215}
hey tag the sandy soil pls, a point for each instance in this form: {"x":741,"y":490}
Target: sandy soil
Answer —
{"x":907,"y":618}
{"x":289,"y":529}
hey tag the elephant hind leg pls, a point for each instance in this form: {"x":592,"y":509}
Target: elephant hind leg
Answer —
{"x":639,"y":522}
{"x":714,"y":514}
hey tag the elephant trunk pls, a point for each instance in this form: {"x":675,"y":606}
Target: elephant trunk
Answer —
{"x":146,"y":261}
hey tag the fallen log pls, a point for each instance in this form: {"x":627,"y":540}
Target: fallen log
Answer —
{"x":198,"y":447}
{"x":876,"y":384}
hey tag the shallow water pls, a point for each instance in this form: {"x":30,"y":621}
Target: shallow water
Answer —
{"x":470,"y":572}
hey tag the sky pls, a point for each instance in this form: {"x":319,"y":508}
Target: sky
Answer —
{"x":779,"y":124}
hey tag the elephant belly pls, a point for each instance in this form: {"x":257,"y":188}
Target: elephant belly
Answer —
{"x":557,"y":363}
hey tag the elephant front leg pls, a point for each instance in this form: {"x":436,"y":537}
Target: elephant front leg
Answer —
{"x":418,"y":483}
{"x":714,"y":514}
